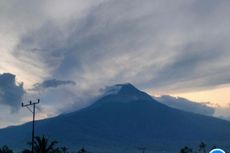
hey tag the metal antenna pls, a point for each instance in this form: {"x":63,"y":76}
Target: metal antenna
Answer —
{"x":33,"y":112}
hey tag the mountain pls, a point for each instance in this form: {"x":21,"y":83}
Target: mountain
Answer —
{"x":122,"y":120}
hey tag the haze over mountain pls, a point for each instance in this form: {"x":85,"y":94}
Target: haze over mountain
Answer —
{"x":123,"y":119}
{"x":186,"y":105}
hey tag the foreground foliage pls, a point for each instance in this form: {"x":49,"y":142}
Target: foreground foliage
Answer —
{"x":202,"y":148}
{"x":5,"y":149}
{"x":44,"y":145}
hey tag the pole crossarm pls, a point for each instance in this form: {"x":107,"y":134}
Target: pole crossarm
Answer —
{"x":31,"y":103}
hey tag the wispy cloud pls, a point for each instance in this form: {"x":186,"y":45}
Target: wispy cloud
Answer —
{"x":52,"y":83}
{"x":166,"y":45}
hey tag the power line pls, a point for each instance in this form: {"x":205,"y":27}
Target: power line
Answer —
{"x":33,"y":104}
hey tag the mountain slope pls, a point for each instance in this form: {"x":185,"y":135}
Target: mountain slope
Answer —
{"x":123,"y":120}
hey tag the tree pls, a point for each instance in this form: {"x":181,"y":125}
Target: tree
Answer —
{"x":43,"y":145}
{"x":26,"y":151}
{"x":64,"y":149}
{"x":56,"y":150}
{"x":5,"y":149}
{"x":202,"y":147}
{"x":82,"y":150}
{"x":186,"y":150}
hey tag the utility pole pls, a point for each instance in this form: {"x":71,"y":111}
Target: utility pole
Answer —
{"x":33,"y":112}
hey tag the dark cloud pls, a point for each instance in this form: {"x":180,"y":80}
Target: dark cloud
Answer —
{"x":11,"y":94}
{"x":173,"y":49}
{"x":186,"y":105}
{"x":53,"y":83}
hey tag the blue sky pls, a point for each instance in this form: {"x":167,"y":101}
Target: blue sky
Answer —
{"x":65,"y":52}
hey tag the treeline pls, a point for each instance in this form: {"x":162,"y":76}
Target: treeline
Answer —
{"x":42,"y":145}
{"x":202,"y":148}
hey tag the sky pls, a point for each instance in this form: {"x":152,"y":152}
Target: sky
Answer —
{"x":65,"y":52}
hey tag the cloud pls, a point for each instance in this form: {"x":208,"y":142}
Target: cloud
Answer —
{"x":170,"y":47}
{"x":149,"y":45}
{"x":53,"y":83}
{"x":11,"y":94}
{"x":186,"y":105}
{"x":223,"y":112}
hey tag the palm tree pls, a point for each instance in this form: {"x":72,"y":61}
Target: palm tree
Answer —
{"x":43,"y":145}
{"x":202,"y":147}
{"x":5,"y":149}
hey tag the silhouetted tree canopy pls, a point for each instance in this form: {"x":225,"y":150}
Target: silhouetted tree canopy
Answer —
{"x":5,"y":149}
{"x":82,"y":150}
{"x":44,"y":145}
{"x":186,"y":150}
{"x":202,"y":147}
